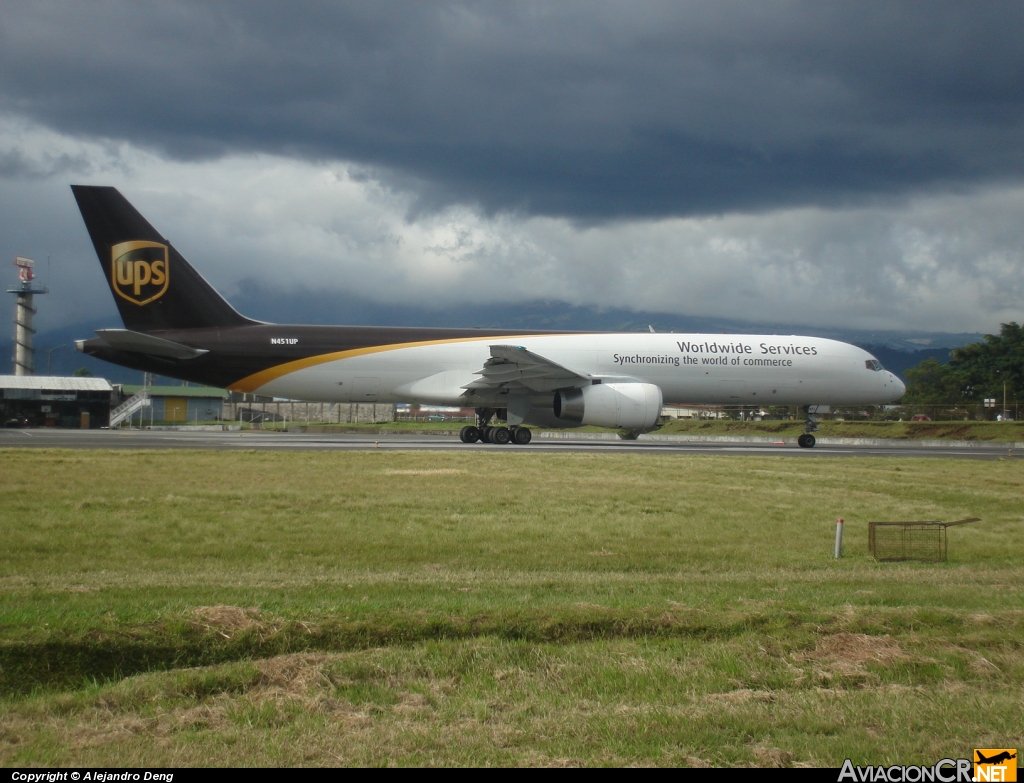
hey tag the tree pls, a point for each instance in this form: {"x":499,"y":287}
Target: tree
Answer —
{"x":934,"y":383}
{"x":996,"y":360}
{"x":974,"y":372}
{"x":82,"y":372}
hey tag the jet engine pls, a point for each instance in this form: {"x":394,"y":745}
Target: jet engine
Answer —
{"x":630,"y":406}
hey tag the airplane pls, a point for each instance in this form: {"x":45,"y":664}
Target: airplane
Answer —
{"x":177,"y":325}
{"x":996,"y":759}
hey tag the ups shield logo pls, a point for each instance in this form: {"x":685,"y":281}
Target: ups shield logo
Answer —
{"x":139,"y":271}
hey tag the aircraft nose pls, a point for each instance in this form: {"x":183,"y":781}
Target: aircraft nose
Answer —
{"x":900,"y":386}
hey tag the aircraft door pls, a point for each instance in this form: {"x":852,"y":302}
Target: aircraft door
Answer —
{"x":734,"y":392}
{"x":365,"y":389}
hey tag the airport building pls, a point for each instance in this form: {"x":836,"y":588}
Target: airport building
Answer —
{"x":693,"y":412}
{"x":171,"y":404}
{"x":48,"y":401}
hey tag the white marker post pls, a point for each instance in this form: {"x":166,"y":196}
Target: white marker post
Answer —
{"x":839,"y":539}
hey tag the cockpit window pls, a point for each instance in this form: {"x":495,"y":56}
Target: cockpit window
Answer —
{"x":873,"y":364}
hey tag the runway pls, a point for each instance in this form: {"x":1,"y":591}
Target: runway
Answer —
{"x":271,"y":441}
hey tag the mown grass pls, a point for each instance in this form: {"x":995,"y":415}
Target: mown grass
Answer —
{"x":1001,"y":431}
{"x":500,"y":608}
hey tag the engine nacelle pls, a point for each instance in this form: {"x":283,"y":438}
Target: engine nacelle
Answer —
{"x":630,"y":406}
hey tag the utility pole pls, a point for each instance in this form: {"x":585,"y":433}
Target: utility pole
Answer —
{"x":49,"y":354}
{"x":23,"y":313}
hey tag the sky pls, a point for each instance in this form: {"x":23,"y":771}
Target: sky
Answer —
{"x":830,"y":165}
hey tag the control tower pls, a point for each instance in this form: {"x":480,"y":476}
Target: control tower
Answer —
{"x":23,"y":313}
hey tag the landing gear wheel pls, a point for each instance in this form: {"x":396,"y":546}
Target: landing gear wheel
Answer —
{"x":485,"y":434}
{"x":500,"y":435}
{"x":805,"y":441}
{"x":521,"y":436}
{"x":469,"y":434}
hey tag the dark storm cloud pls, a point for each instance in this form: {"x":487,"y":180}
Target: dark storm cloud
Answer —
{"x":16,"y":165}
{"x":591,"y":110}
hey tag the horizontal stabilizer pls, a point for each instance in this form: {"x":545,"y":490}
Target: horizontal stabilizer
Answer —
{"x":127,"y":340}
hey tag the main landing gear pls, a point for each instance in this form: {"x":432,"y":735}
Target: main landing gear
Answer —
{"x":518,"y":435}
{"x":485,"y":433}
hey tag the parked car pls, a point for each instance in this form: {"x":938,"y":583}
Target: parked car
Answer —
{"x":920,"y":417}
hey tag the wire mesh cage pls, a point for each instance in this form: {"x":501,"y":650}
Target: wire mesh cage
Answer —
{"x":922,"y":541}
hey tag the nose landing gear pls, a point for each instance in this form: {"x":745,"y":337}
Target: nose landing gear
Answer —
{"x":807,"y":441}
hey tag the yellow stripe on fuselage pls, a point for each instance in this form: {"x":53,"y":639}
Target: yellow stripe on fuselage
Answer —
{"x":251,"y":383}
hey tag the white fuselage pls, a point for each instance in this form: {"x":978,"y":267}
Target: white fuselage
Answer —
{"x":712,"y":369}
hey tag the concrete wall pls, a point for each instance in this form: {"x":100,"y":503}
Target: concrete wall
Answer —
{"x":318,"y":412}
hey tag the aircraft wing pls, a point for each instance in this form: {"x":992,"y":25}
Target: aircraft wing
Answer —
{"x":513,"y":367}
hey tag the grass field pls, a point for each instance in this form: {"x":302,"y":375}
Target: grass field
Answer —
{"x":180,"y":608}
{"x":903,"y":430}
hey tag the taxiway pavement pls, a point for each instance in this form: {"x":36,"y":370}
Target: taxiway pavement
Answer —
{"x":278,"y":441}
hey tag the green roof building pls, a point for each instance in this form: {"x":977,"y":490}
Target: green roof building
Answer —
{"x":182,"y":403}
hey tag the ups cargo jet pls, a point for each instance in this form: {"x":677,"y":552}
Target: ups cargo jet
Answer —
{"x":177,"y":325}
